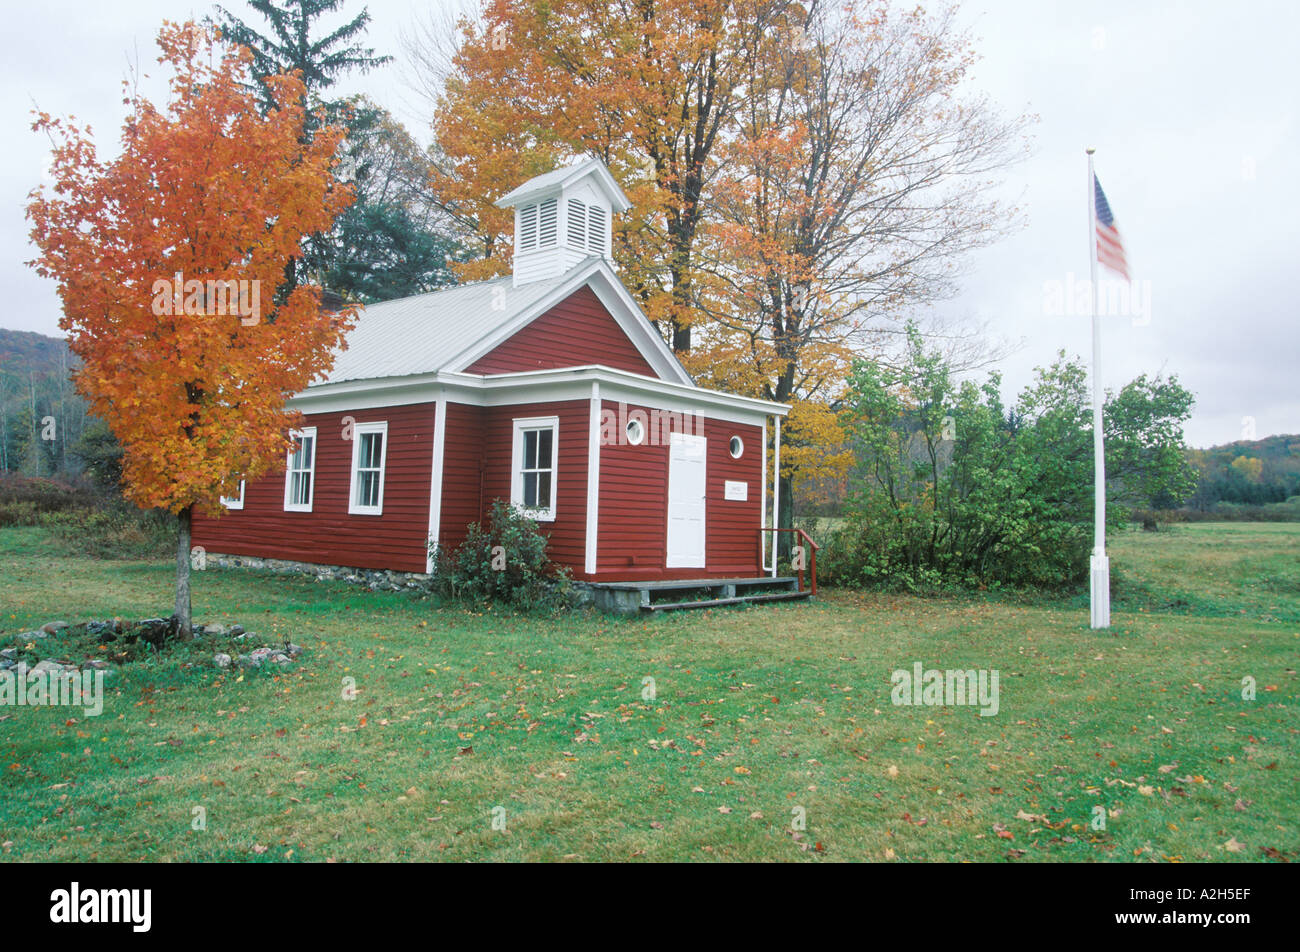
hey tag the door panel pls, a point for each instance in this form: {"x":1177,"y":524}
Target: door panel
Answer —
{"x":686,"y":503}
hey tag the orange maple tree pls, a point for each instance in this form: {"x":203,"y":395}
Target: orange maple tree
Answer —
{"x":168,"y":260}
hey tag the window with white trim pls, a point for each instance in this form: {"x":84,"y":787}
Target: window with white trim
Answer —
{"x":234,"y":502}
{"x":300,"y":473}
{"x":533,"y":466}
{"x":369,"y":450}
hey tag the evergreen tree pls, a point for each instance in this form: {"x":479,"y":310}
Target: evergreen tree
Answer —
{"x":395,"y":240}
{"x":290,"y":45}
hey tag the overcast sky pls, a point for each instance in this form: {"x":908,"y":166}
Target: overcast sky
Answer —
{"x":1192,"y":108}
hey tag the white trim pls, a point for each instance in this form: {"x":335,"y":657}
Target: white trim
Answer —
{"x":306,"y":431}
{"x":516,"y":465}
{"x":554,"y":184}
{"x":616,"y":299}
{"x":593,"y":478}
{"x":535,"y":386}
{"x":762,"y":513}
{"x":234,"y":503}
{"x":629,"y":316}
{"x":435,"y":479}
{"x":358,"y":430}
{"x":776,"y":497}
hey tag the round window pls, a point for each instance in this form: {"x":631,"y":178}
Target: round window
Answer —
{"x":635,"y":432}
{"x":737,"y":447}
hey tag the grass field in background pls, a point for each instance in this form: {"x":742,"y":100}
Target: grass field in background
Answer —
{"x":760,"y":715}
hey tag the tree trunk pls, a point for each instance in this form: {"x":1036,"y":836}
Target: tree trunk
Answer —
{"x":184,"y":620}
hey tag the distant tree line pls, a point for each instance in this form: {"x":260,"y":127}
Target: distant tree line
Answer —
{"x":1263,"y":472}
{"x":45,"y":429}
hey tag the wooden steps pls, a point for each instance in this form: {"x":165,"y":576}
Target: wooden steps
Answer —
{"x":720,"y":602}
{"x":676,"y":594}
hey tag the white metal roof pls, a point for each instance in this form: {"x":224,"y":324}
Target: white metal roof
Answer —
{"x":552,"y":182}
{"x":422,"y":334}
{"x":448,"y":330}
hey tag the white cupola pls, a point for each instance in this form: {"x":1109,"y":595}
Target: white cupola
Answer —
{"x":563,"y":218}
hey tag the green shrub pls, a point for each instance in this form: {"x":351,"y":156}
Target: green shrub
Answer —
{"x":19,"y":514}
{"x":34,"y":493}
{"x":87,"y":523}
{"x":505,"y":562}
{"x":955,"y":490}
{"x":116,"y":531}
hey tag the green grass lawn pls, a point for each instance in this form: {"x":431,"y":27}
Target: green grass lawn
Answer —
{"x":760,"y":715}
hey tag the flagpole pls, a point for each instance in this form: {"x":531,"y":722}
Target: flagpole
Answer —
{"x":1099,"y":564}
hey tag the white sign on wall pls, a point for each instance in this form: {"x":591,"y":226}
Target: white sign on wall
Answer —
{"x":738,"y":491}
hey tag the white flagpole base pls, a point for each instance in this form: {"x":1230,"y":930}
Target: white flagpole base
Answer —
{"x":1100,"y":591}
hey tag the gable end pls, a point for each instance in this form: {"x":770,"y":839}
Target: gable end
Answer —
{"x":578,"y":331}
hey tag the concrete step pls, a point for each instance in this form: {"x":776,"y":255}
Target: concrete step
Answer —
{"x":666,"y":585}
{"x":630,"y":597}
{"x":720,"y":602}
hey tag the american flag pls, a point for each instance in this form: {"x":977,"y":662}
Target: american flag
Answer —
{"x":1110,"y":250}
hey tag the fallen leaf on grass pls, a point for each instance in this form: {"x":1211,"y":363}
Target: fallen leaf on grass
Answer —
{"x":1232,"y":846}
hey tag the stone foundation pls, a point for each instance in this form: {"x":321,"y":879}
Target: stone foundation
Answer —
{"x":377,"y":580}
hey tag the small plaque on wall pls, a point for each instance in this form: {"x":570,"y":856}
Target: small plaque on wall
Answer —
{"x":738,"y":491}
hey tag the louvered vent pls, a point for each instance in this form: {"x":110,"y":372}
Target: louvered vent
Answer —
{"x":577,"y":224}
{"x":596,"y":230}
{"x":528,"y":228}
{"x":548,"y":229}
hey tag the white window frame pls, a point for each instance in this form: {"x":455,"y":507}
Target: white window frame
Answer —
{"x":234,"y":502}
{"x":359,"y":430}
{"x":289,"y":471}
{"x":521,"y":425}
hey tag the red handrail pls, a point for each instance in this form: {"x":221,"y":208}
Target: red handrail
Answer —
{"x":812,"y":561}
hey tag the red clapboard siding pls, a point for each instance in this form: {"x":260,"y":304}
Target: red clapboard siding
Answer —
{"x":576,"y":332}
{"x":328,"y":535}
{"x":462,"y":462}
{"x":634,"y":501}
{"x":477,"y":469}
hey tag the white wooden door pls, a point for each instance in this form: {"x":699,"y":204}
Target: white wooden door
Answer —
{"x":686,"y":490}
